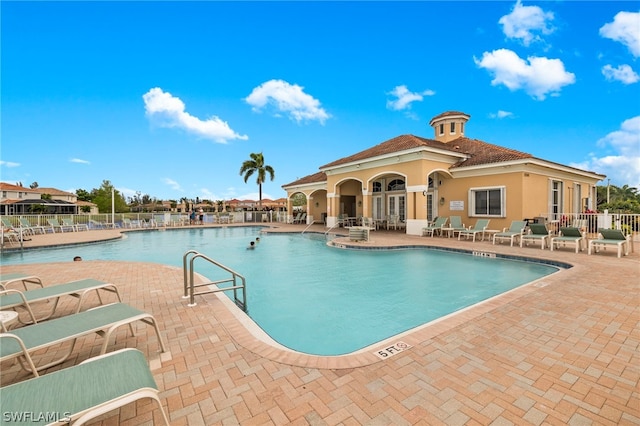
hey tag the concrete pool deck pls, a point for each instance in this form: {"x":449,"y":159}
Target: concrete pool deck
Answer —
{"x":562,"y":350}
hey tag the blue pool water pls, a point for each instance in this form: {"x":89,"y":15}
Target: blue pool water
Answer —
{"x":318,"y":299}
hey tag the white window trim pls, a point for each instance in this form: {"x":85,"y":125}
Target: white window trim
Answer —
{"x":503,"y":201}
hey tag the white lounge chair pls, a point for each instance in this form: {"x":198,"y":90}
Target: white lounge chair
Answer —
{"x":436,"y":227}
{"x":82,"y":392}
{"x":18,"y":277}
{"x":12,"y":299}
{"x":29,"y":229}
{"x":538,"y":232}
{"x":610,"y":237}
{"x":515,"y":232}
{"x":568,"y":235}
{"x":55,"y":225}
{"x":479,"y":228}
{"x":103,"y":320}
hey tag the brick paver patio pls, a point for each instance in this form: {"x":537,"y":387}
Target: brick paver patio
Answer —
{"x":562,"y":350}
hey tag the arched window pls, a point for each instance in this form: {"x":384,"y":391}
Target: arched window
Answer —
{"x":396,"y":185}
{"x":377,"y":187}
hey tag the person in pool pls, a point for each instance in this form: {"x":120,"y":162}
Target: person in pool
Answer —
{"x":252,"y":245}
{"x":257,"y":240}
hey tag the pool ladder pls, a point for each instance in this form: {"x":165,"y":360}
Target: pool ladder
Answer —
{"x":239,"y":282}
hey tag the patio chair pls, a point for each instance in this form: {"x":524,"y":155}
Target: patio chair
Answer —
{"x":568,"y":235}
{"x":10,"y":235}
{"x":7,"y":279}
{"x":158,"y":221}
{"x":54,"y":224}
{"x":11,"y":298}
{"x":6,"y":222}
{"x":75,"y":226}
{"x":436,"y":226}
{"x":456,"y":225}
{"x":84,"y":391}
{"x":368,"y":222}
{"x":610,"y":237}
{"x":104,"y":320}
{"x":94,"y":224}
{"x":538,"y":232}
{"x":479,"y":228}
{"x":515,"y":232}
{"x":29,"y":228}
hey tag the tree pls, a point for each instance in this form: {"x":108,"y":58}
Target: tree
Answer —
{"x":34,"y":185}
{"x":256,"y":166}
{"x":83,"y":195}
{"x":102,"y":198}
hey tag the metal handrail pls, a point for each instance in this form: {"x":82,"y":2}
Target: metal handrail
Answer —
{"x":190,"y":286}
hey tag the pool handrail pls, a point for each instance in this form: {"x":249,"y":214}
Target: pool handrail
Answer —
{"x":190,"y":286}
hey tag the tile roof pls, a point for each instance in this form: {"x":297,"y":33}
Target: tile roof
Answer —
{"x":479,"y":152}
{"x":314,"y":178}
{"x":4,"y":186}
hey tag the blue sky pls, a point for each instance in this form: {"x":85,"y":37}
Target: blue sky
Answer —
{"x":169,"y":98}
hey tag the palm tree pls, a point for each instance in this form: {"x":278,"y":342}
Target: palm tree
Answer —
{"x":256,"y":165}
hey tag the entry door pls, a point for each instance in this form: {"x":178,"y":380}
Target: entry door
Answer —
{"x":397,"y":206}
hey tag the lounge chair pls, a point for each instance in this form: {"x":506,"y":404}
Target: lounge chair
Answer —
{"x":104,"y":320}
{"x":25,"y":225}
{"x":54,"y":224}
{"x":94,"y":224}
{"x":437,"y":226}
{"x":610,"y":237}
{"x":568,"y":235}
{"x":455,"y":225}
{"x":10,"y":235}
{"x":84,"y":391}
{"x":479,"y":228}
{"x":8,"y":279}
{"x":11,"y":299}
{"x":515,"y":231}
{"x":538,"y":232}
{"x":158,"y":221}
{"x":75,"y":226}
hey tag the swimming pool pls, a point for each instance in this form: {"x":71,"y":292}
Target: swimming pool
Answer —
{"x":318,"y":299}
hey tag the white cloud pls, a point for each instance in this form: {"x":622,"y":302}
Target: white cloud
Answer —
{"x":501,"y":114}
{"x":405,"y":97}
{"x":538,"y":77}
{"x":622,"y":163}
{"x":625,"y":29}
{"x":79,"y":161}
{"x":524,"y":22}
{"x":166,"y":110}
{"x":173,"y":184}
{"x":287,"y":98}
{"x":624,"y":73}
{"x":9,"y":164}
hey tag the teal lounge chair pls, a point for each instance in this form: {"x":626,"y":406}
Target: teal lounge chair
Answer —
{"x":12,"y":299}
{"x":455,"y":225}
{"x":18,"y":277}
{"x":75,"y":226}
{"x":610,"y":237}
{"x":539,"y":232}
{"x":103,"y":320}
{"x":437,"y":226}
{"x":479,"y":228}
{"x":29,"y":229}
{"x":515,"y":231}
{"x":54,"y":224}
{"x":82,"y":392}
{"x":568,"y":235}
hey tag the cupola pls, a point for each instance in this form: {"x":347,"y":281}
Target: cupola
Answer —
{"x":449,"y":125}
